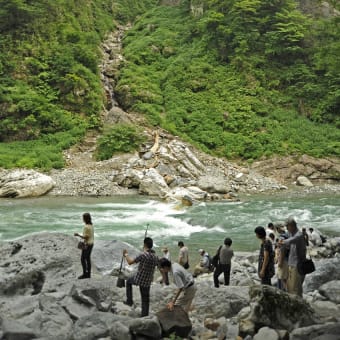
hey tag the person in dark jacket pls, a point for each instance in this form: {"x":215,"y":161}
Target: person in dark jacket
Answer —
{"x":225,"y":254}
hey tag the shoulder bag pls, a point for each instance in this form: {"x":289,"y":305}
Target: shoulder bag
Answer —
{"x":306,"y":266}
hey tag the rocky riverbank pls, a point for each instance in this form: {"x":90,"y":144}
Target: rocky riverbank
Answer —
{"x":41,"y":297}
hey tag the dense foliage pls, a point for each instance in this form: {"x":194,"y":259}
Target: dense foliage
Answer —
{"x":119,"y":138}
{"x":244,"y":79}
{"x":50,"y":88}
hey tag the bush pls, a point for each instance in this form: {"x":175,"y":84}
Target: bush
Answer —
{"x":120,"y":138}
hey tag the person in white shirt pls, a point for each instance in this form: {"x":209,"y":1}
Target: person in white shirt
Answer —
{"x":203,"y":266}
{"x":271,"y":230}
{"x":315,"y":237}
{"x":186,"y":288}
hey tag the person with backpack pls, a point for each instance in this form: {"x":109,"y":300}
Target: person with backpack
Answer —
{"x":222,"y":262}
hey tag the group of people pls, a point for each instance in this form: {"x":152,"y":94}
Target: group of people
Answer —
{"x":285,"y":250}
{"x":147,"y":262}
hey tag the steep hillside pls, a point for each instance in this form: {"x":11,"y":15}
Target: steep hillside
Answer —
{"x":239,"y":79}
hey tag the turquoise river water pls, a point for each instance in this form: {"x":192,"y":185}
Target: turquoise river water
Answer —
{"x":204,"y":225}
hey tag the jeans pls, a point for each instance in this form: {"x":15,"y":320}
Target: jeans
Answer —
{"x":86,"y":260}
{"x":144,"y":293}
{"x":225,"y":269}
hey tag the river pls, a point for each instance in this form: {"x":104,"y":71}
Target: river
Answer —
{"x":204,"y":225}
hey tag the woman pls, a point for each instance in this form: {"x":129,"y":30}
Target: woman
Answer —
{"x":266,"y":257}
{"x":88,"y":237}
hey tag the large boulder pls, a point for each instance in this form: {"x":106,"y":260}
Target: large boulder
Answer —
{"x":24,"y":183}
{"x":216,"y":184}
{"x":174,"y":322}
{"x":326,"y":270}
{"x":153,"y":184}
{"x":275,"y":309}
{"x":331,"y":290}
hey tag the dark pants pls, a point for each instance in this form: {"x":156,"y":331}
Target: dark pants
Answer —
{"x":225,"y":269}
{"x":86,"y":260}
{"x":144,"y":293}
{"x":266,"y":281}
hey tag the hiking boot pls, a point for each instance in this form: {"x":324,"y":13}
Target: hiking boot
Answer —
{"x":82,"y":277}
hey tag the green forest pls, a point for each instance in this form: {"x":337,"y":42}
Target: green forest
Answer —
{"x":241,"y":79}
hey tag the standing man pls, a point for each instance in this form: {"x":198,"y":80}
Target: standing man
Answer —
{"x":266,"y":269}
{"x":184,"y":282}
{"x":183,"y":255}
{"x":297,"y":253}
{"x":143,"y":278}
{"x":225,"y":254}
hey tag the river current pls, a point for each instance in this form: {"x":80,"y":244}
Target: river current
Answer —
{"x":203,"y":225}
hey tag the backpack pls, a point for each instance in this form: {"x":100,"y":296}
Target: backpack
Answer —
{"x":211,"y":265}
{"x":215,"y":260}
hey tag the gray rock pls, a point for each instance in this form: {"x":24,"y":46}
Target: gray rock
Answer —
{"x":327,"y":331}
{"x":119,"y":331}
{"x":266,"y":309}
{"x":94,"y":326}
{"x":146,"y":326}
{"x":214,"y":184}
{"x":24,"y":183}
{"x":174,"y":322}
{"x":266,"y":333}
{"x":326,"y":270}
{"x":153,"y":184}
{"x":331,"y":290}
{"x":14,"y":330}
{"x":304,"y":181}
{"x":326,"y":310}
{"x":94,"y":292}
{"x":230,"y":300}
{"x":53,"y":322}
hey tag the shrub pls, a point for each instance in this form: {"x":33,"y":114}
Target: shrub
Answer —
{"x":120,"y":138}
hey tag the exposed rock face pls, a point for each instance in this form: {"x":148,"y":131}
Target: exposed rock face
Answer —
{"x":172,"y":170}
{"x":24,"y":183}
{"x":288,"y":169}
